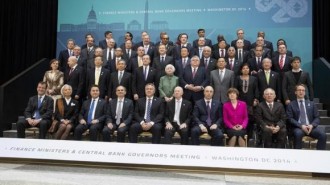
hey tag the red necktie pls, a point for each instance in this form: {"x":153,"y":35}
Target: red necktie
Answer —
{"x":281,"y":62}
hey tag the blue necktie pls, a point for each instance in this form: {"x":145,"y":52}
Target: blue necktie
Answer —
{"x":302,"y":116}
{"x":90,"y":113}
{"x":37,"y":114}
{"x":148,"y":111}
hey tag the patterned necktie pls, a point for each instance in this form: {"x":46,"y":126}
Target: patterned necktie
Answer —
{"x":148,"y":111}
{"x":281,"y":62}
{"x":119,"y":112}
{"x":270,"y":106}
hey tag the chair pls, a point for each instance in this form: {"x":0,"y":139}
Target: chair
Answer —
{"x":309,"y":140}
{"x":34,"y":130}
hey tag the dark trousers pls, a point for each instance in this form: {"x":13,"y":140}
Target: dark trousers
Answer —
{"x":43,"y":126}
{"x":216,"y":136}
{"x":136,"y":129}
{"x":274,"y":140}
{"x":169,"y":133}
{"x":316,"y":133}
{"x":121,"y":133}
{"x":94,"y":129}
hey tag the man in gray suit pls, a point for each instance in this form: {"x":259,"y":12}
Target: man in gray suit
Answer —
{"x":221,"y":80}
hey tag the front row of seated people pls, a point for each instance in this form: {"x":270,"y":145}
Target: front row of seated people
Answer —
{"x":153,"y":114}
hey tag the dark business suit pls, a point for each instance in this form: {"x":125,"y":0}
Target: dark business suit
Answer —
{"x":103,"y":81}
{"x":184,"y":117}
{"x":266,"y":53}
{"x":179,"y":67}
{"x":89,"y":57}
{"x":208,"y":42}
{"x":217,"y":54}
{"x":286,"y":67}
{"x":177,"y":52}
{"x":268,"y":45}
{"x":132,"y":54}
{"x":236,"y":66}
{"x":252,"y":90}
{"x":139,"y":81}
{"x":288,"y":53}
{"x":254,"y":65}
{"x":275,"y":117}
{"x":200,"y":116}
{"x":170,"y":51}
{"x":126,"y":117}
{"x":103,"y":44}
{"x":46,"y":112}
{"x":63,"y":60}
{"x":289,"y":85}
{"x":245,"y":56}
{"x":246,"y":47}
{"x":160,"y":66}
{"x":77,"y":80}
{"x":156,"y":116}
{"x":274,"y":83}
{"x":126,"y":81}
{"x":212,"y":65}
{"x":100,"y":115}
{"x":313,"y":117}
{"x":200,"y":79}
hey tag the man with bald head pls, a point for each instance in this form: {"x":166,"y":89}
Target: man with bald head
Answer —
{"x":207,"y":118}
{"x":177,"y":117}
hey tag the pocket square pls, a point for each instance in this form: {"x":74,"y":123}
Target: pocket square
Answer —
{"x":72,"y":104}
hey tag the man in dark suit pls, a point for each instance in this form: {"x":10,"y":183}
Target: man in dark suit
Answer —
{"x":148,"y":116}
{"x":207,"y":61}
{"x":241,"y":54}
{"x":255,"y":63}
{"x":183,"y":62}
{"x":165,"y":40}
{"x":281,"y":63}
{"x":38,"y":113}
{"x":183,"y":38}
{"x":232,"y":63}
{"x":98,"y":76}
{"x":119,"y":116}
{"x":88,"y":52}
{"x":80,"y":60}
{"x":280,"y":42}
{"x":201,"y":33}
{"x":160,"y":62}
{"x":269,"y":79}
{"x":92,"y":115}
{"x":304,"y":118}
{"x":75,"y":77}
{"x":136,"y":62}
{"x":65,"y":54}
{"x":240,"y":35}
{"x":177,"y":117}
{"x":207,"y":118}
{"x":149,"y":47}
{"x":270,"y":116}
{"x":266,"y":43}
{"x":193,"y":80}
{"x":128,"y":51}
{"x":120,"y":78}
{"x":109,"y":54}
{"x":144,"y":75}
{"x":221,"y":52}
{"x":108,"y":36}
{"x":294,"y":77}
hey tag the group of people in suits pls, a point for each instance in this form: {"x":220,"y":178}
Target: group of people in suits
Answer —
{"x":148,"y":82}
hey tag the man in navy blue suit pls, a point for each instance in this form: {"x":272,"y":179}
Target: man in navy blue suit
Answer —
{"x":304,"y":118}
{"x":207,"y":118}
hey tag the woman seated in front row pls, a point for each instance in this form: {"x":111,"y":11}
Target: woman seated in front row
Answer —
{"x":235,"y":117}
{"x":66,"y":112}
